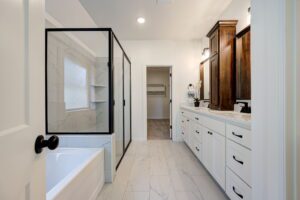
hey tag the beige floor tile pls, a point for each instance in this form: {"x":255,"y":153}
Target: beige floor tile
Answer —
{"x":136,"y":196}
{"x":161,"y":170}
{"x":209,"y":188}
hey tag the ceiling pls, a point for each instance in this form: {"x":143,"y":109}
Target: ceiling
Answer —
{"x":179,"y":19}
{"x":169,"y":20}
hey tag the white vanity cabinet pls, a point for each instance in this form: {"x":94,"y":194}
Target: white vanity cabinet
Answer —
{"x":207,"y":154}
{"x":238,"y":169}
{"x":186,"y":127}
{"x":223,"y":148}
{"x":213,"y":155}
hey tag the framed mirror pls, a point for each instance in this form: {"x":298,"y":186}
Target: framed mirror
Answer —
{"x":243,"y":65}
{"x":204,"y":78}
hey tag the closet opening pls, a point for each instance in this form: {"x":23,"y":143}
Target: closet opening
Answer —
{"x":159,"y":102}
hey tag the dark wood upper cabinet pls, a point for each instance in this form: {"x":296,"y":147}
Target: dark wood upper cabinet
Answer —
{"x":243,"y":65}
{"x":214,"y":82}
{"x":214,"y":43}
{"x":222,"y":65}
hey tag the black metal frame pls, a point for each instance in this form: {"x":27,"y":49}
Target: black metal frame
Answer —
{"x":125,"y":56}
{"x":111,"y":38}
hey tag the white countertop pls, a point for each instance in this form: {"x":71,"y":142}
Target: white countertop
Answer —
{"x":235,"y":118}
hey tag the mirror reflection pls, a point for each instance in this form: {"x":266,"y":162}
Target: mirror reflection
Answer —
{"x":205,"y":80}
{"x":243,"y":65}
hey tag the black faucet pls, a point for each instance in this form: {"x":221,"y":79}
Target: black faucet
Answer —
{"x":207,"y":101}
{"x":245,"y":108}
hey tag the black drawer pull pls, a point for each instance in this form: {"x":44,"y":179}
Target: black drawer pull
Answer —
{"x":196,"y":118}
{"x":182,"y":133}
{"x":210,"y":133}
{"x":239,"y":195}
{"x":197,"y":149}
{"x":187,"y":120}
{"x":197,"y":132}
{"x":240,"y":136}
{"x":241,"y":162}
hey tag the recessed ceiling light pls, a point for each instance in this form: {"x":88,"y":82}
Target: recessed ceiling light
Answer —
{"x":141,"y":20}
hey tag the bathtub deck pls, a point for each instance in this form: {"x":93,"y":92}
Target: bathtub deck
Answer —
{"x":161,"y":169}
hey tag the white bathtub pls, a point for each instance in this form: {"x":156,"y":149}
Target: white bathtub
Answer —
{"x":74,"y":173}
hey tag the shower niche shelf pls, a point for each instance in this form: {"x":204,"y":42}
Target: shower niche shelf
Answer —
{"x":98,"y":101}
{"x":98,"y":86}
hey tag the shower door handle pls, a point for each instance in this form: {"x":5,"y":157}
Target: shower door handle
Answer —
{"x":40,"y":143}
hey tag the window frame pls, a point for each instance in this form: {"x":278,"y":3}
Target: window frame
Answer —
{"x":80,"y":64}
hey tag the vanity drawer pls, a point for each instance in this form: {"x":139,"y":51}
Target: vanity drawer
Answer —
{"x":187,"y":114}
{"x":196,"y":117}
{"x":184,"y":113}
{"x":196,"y":147}
{"x":214,"y":125}
{"x":197,"y":131}
{"x":239,"y":135}
{"x":236,"y":189}
{"x":239,"y":160}
{"x":191,"y":115}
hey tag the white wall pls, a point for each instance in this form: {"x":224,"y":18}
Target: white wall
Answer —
{"x":297,"y":149}
{"x":183,"y":56}
{"x":158,"y":106}
{"x":237,"y":10}
{"x":268,"y":57}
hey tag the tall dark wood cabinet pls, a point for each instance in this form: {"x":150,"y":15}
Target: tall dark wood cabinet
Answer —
{"x":222,"y":65}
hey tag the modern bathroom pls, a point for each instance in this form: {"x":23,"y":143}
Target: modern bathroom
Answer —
{"x":149,"y":100}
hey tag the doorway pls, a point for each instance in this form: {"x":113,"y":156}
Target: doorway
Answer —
{"x":159,"y":103}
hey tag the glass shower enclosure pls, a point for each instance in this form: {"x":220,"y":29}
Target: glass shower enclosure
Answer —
{"x":88,"y":85}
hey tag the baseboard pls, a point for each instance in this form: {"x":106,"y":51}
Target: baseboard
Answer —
{"x":97,"y":191}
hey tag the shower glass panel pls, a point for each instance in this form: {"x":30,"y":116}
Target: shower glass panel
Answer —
{"x":127,"y":101}
{"x":88,"y":85}
{"x":118,"y":98}
{"x":77,"y":82}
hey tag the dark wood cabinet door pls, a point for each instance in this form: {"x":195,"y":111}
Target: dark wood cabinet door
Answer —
{"x":214,"y":43}
{"x":214,"y":82}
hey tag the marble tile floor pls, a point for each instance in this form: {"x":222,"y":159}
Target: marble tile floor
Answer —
{"x":161,"y":170}
{"x":158,"y":129}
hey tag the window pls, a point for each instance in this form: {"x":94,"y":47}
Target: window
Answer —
{"x":75,"y":85}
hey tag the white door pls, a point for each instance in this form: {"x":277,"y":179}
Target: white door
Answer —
{"x":207,"y":142}
{"x":22,"y":117}
{"x":171,"y":100}
{"x":218,"y":158}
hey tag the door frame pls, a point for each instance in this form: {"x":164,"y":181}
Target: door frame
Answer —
{"x":274,"y":99}
{"x":170,"y":67}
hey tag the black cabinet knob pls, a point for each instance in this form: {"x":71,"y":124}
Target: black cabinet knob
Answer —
{"x":40,"y":143}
